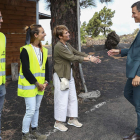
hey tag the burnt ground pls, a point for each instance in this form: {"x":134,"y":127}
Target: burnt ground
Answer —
{"x":107,"y":77}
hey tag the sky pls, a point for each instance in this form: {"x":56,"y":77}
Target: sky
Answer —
{"x":123,"y":23}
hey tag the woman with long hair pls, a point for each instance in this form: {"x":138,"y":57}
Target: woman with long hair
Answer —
{"x":65,"y":98}
{"x":33,"y":79}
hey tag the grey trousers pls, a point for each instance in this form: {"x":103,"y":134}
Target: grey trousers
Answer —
{"x":1,"y":106}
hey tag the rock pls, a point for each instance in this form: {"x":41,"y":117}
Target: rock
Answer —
{"x":90,"y":95}
{"x":93,"y":100}
{"x":86,"y":100}
{"x":112,"y":40}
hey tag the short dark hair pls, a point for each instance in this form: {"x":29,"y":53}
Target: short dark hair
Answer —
{"x":137,"y":4}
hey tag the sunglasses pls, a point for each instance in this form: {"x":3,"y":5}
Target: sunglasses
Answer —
{"x":0,"y":17}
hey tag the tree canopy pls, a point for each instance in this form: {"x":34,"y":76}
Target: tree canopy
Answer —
{"x":100,"y":22}
{"x":93,"y":27}
{"x":83,"y":32}
{"x":105,"y":16}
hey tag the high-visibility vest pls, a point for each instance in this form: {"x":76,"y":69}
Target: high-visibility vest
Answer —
{"x":2,"y":58}
{"x":25,"y":89}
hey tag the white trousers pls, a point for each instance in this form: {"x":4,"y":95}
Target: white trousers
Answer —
{"x":32,"y":112}
{"x":65,"y":102}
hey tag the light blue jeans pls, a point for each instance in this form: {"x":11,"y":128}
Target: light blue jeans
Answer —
{"x":32,"y":112}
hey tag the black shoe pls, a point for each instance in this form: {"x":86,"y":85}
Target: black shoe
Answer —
{"x":133,"y":136}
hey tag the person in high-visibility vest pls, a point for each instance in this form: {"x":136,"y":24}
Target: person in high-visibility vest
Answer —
{"x":33,"y":79}
{"x":2,"y":70}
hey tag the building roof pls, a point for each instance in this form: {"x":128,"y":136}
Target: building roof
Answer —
{"x":44,"y":16}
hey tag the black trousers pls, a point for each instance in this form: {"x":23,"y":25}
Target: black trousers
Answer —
{"x":132,"y":94}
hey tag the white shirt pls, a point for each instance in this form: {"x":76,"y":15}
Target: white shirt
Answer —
{"x":38,"y":55}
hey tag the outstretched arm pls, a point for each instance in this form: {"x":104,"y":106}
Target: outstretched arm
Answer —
{"x":86,"y":56}
{"x":113,"y":52}
{"x":64,"y":53}
{"x":79,"y":53}
{"x":92,"y":59}
{"x":123,"y":52}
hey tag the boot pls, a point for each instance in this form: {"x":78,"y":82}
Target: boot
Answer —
{"x":26,"y":136}
{"x":37,"y":135}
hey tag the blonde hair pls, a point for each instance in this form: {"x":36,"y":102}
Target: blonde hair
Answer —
{"x":34,"y":29}
{"x":58,"y":30}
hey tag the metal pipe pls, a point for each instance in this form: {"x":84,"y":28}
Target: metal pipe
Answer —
{"x":37,"y":11}
{"x":79,"y":45}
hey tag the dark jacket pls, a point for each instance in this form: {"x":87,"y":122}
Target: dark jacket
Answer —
{"x":133,"y":58}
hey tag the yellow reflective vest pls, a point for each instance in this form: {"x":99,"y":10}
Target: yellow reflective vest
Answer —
{"x":2,"y":58}
{"x":25,"y":89}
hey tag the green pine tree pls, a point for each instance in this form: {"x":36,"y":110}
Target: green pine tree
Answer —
{"x":93,"y":27}
{"x":100,"y":22}
{"x":105,"y":16}
{"x":83,"y":32}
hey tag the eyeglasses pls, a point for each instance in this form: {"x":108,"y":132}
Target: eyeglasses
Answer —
{"x":0,"y":17}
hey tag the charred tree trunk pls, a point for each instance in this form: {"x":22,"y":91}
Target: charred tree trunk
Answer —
{"x":65,"y":12}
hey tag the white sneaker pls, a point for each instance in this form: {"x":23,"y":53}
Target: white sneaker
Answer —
{"x":60,"y":126}
{"x":74,"y":122}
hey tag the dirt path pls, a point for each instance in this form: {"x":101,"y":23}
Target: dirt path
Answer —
{"x":108,"y":77}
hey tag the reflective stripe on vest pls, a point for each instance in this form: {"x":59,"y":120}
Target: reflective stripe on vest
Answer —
{"x":26,"y":87}
{"x":2,"y":73}
{"x":2,"y":60}
{"x":35,"y":75}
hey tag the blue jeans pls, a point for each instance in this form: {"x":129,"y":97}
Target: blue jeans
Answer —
{"x":2,"y":97}
{"x":32,"y":112}
{"x":132,"y":94}
{"x":1,"y":106}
